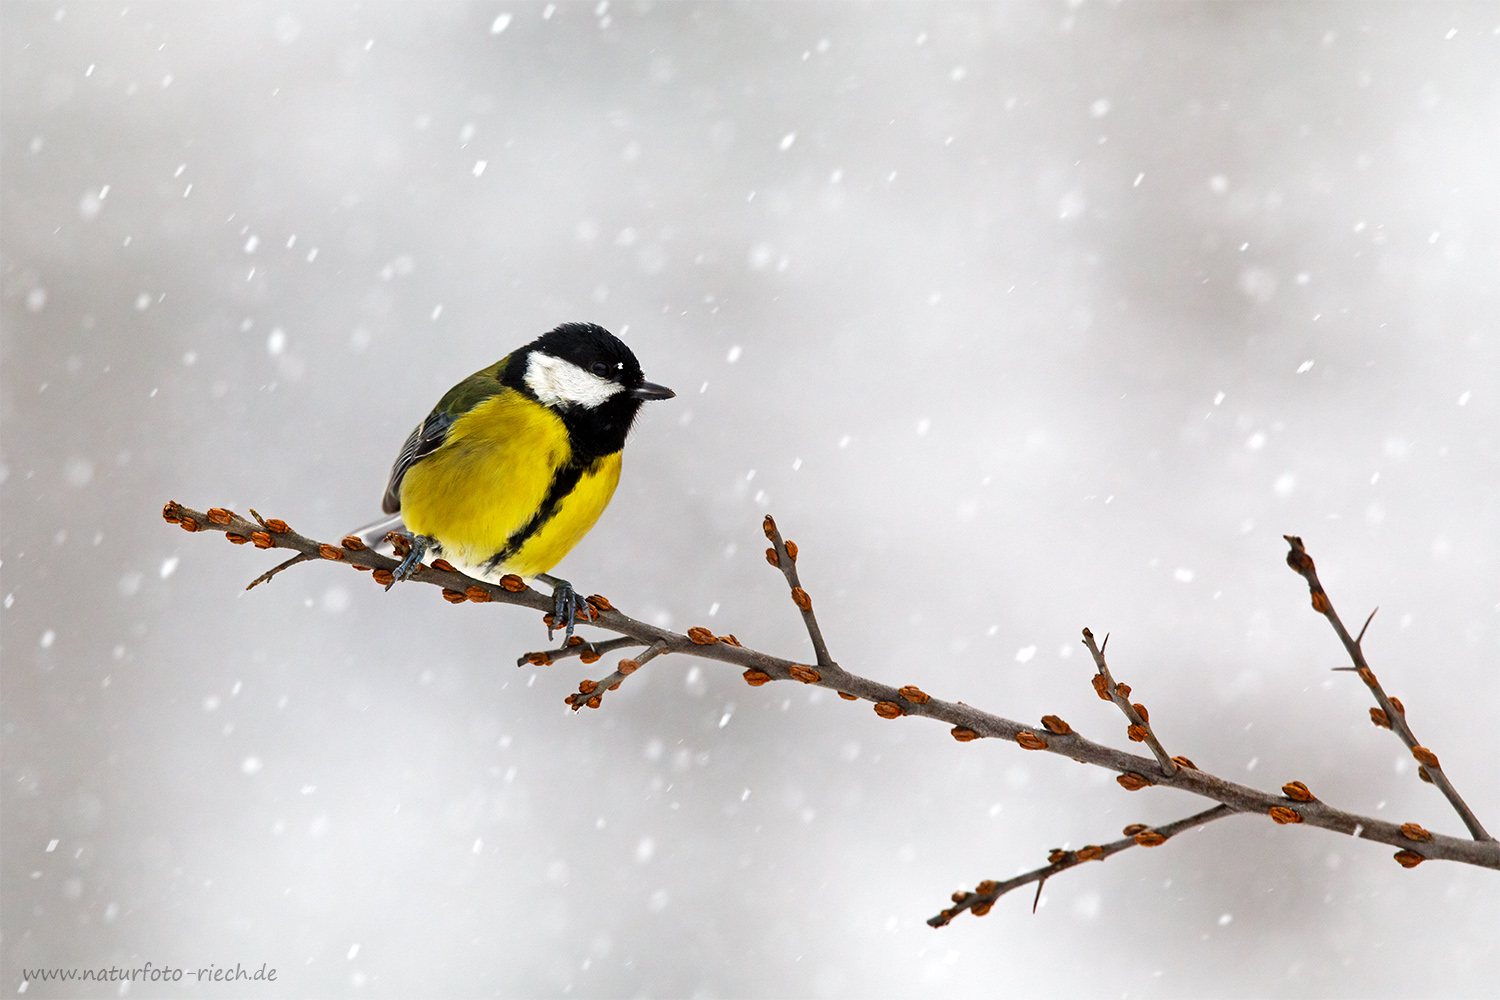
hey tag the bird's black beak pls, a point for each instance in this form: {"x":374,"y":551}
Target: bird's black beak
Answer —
{"x":650,"y":390}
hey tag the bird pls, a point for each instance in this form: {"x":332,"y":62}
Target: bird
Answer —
{"x":515,"y":464}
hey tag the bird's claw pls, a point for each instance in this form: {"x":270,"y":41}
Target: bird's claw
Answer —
{"x":566,"y":604}
{"x":413,"y":559}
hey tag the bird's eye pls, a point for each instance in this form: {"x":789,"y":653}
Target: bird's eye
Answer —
{"x":601,"y":369}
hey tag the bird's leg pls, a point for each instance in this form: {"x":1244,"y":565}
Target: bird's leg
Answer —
{"x":565,"y":605}
{"x":408,"y":565}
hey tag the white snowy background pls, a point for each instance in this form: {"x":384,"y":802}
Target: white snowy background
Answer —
{"x":1019,"y":317}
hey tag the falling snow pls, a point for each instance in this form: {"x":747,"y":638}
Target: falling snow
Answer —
{"x":1028,"y":344}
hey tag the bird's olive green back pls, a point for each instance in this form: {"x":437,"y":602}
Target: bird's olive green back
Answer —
{"x":473,"y":390}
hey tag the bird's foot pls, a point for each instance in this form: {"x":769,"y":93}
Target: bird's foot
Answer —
{"x":566,"y":604}
{"x":413,"y":559}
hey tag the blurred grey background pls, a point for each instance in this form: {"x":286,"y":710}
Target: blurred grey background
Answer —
{"x":1020,"y":317}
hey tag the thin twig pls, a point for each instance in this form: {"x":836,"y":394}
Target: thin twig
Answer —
{"x":591,"y":693}
{"x":1392,"y":712}
{"x":1139,"y":729}
{"x":984,"y":895}
{"x":968,"y":722}
{"x":577,"y":646}
{"x":783,"y":555}
{"x":268,"y":574}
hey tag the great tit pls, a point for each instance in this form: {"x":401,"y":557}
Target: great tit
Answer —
{"x":515,"y":463}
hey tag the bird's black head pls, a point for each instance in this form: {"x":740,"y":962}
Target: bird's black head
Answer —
{"x":590,"y":378}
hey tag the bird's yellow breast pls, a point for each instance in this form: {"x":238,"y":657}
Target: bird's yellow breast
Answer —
{"x":502,"y":485}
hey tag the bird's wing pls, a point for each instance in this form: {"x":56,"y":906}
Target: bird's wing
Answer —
{"x":425,"y":439}
{"x":430,"y":434}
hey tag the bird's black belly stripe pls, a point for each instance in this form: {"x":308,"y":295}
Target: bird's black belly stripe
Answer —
{"x":562,"y":484}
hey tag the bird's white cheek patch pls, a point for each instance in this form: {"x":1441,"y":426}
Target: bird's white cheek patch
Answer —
{"x":558,"y":382}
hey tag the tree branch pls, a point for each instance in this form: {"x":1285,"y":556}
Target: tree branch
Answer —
{"x":1391,"y":714}
{"x":1139,"y":728}
{"x":577,"y":646}
{"x":1296,"y":804}
{"x":783,"y":555}
{"x":591,"y":693}
{"x":985,"y":893}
